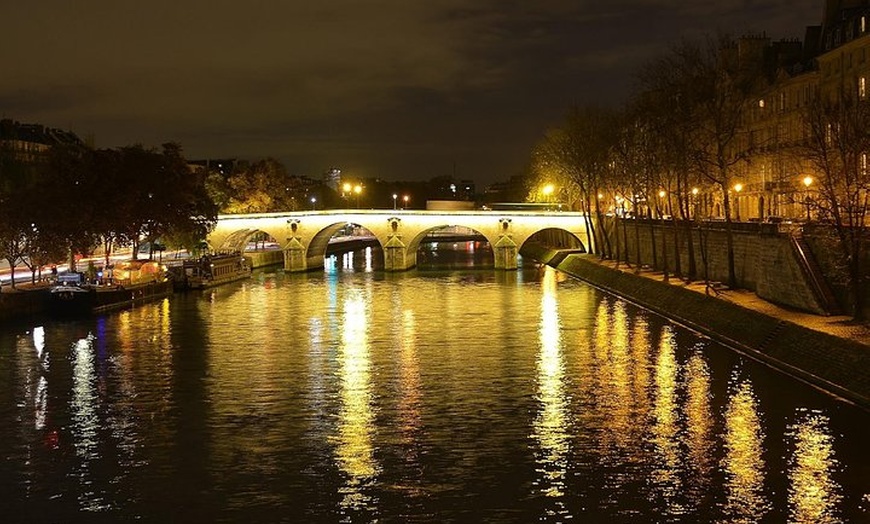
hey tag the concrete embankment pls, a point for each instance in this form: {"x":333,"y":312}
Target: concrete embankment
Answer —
{"x":836,"y":365}
{"x":19,"y":304}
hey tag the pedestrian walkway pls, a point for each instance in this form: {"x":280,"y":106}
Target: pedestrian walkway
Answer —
{"x":838,"y":325}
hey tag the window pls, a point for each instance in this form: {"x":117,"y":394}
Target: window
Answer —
{"x":862,"y":87}
{"x":761,"y":103}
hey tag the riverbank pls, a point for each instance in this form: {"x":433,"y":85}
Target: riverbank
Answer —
{"x":829,"y":353}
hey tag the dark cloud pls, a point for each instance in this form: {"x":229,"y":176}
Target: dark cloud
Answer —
{"x":386,"y":87}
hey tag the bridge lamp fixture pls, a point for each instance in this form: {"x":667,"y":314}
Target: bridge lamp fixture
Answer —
{"x":357,"y":189}
{"x":313,"y":203}
{"x":548,"y":191}
{"x":395,"y":196}
{"x":405,"y":200}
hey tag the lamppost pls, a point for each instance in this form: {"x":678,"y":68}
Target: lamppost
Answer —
{"x":548,"y":190}
{"x":314,"y":203}
{"x":808,"y":181}
{"x":405,"y":199}
{"x":346,"y":188}
{"x":662,"y":194}
{"x":357,"y":189}
{"x":395,"y":196}
{"x":738,"y":187}
{"x":695,"y":192}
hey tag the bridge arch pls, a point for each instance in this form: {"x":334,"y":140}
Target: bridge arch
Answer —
{"x":304,"y":235}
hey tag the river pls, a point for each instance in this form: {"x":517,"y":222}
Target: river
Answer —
{"x":453,"y":395}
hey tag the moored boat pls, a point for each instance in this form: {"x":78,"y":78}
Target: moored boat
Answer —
{"x":131,"y":283}
{"x":212,"y":270}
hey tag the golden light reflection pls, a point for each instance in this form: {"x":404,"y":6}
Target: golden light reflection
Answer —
{"x":356,"y":425}
{"x":616,"y":394}
{"x":699,"y":425}
{"x":410,"y":378}
{"x":813,"y":495}
{"x":551,"y":425}
{"x":743,"y":463}
{"x":665,"y":430}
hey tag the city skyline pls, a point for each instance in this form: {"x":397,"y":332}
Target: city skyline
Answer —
{"x":400,"y":91}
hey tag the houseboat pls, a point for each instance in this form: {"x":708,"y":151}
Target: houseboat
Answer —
{"x":127,"y":284}
{"x":212,"y":270}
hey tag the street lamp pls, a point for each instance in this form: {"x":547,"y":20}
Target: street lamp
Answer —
{"x":405,"y":199}
{"x":662,"y":194}
{"x":395,"y":196}
{"x":695,"y":192}
{"x":314,"y":203}
{"x":548,"y":190}
{"x":346,"y":189}
{"x":808,"y":181}
{"x":357,"y":189}
{"x":738,"y":187}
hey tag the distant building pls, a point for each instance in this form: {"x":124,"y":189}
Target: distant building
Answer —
{"x":833,"y":59}
{"x":332,"y":178}
{"x":223,"y":166}
{"x":28,"y":142}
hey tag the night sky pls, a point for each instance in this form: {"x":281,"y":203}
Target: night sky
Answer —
{"x":397,"y":89}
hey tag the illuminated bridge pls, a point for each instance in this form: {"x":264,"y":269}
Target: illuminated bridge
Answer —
{"x":304,"y":235}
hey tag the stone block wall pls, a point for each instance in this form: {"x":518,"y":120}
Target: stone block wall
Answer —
{"x":764,"y":261}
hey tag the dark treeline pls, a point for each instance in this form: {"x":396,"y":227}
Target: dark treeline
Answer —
{"x":71,"y":199}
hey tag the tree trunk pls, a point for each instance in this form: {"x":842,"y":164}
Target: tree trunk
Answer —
{"x":590,"y":229}
{"x":652,"y":236}
{"x":637,"y":244}
{"x":855,"y":278}
{"x":603,"y":230}
{"x":729,"y":238}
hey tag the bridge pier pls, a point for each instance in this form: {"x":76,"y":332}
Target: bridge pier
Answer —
{"x":505,"y":249}
{"x":294,"y":257}
{"x":395,"y":251}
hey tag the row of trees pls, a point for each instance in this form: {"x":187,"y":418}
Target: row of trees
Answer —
{"x":683,"y":136}
{"x":71,"y":199}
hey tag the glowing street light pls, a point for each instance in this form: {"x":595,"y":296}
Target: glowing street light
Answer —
{"x":738,"y":187}
{"x":357,"y":189}
{"x":548,"y":190}
{"x":395,"y":196}
{"x":313,"y":202}
{"x":808,"y":181}
{"x":405,"y":199}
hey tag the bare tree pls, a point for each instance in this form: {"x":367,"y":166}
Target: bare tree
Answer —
{"x":838,"y":141}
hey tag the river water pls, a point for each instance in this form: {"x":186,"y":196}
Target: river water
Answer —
{"x":462,"y":395}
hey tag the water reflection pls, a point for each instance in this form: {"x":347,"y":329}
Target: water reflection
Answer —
{"x":699,"y":426}
{"x":813,"y":495}
{"x":743,"y":464}
{"x":665,"y":429}
{"x":86,"y":422}
{"x":501,"y":397}
{"x":550,"y":427}
{"x":356,"y":426}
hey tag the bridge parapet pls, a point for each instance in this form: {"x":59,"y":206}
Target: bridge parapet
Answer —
{"x":305,"y":235}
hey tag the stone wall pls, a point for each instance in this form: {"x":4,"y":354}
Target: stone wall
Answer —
{"x":764,"y":261}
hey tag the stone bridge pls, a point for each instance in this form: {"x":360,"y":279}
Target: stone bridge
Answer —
{"x":304,"y":235}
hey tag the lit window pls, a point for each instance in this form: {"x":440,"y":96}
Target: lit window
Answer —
{"x":761,"y":102}
{"x":863,"y":24}
{"x":862,"y":87}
